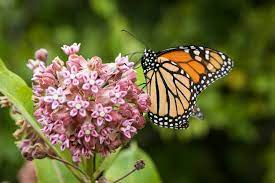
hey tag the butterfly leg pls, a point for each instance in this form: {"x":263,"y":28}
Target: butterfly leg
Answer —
{"x":142,"y":84}
{"x":196,"y":112}
{"x":143,"y":87}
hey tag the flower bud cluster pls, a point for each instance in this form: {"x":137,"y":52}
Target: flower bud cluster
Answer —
{"x":29,"y":143}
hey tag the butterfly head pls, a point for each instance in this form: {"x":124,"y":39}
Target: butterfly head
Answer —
{"x":148,"y":60}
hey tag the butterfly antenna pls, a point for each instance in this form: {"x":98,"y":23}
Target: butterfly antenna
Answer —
{"x":132,"y":54}
{"x":135,"y":37}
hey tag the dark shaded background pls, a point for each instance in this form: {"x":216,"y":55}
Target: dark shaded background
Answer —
{"x":235,"y":143}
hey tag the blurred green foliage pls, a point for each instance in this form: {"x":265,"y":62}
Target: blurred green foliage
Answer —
{"x":236,"y":140}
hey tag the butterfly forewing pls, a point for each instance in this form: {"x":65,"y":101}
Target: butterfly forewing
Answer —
{"x":203,"y":65}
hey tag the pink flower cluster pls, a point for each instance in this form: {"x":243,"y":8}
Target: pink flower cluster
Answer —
{"x":86,"y":106}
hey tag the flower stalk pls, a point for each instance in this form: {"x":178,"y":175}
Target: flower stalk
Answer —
{"x":140,"y":164}
{"x":90,"y":167}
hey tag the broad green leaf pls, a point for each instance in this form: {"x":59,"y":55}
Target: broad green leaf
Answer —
{"x":48,"y":171}
{"x":124,"y":163}
{"x":20,"y":95}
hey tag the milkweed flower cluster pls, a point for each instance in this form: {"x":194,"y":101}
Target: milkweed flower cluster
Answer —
{"x":87,"y":106}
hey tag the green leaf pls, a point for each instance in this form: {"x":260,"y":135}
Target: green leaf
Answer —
{"x":140,"y":76}
{"x":48,"y":171}
{"x":124,"y":163}
{"x":20,"y":95}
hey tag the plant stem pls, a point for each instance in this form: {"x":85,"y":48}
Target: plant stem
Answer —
{"x":94,"y":164}
{"x":126,"y":175}
{"x":90,"y":167}
{"x":69,"y":164}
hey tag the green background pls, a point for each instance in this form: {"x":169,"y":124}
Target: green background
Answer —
{"x":235,"y":142}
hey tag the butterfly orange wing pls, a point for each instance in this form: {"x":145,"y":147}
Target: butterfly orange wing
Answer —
{"x":203,"y":65}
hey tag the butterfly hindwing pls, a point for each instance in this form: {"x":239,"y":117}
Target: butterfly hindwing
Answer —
{"x":172,"y":95}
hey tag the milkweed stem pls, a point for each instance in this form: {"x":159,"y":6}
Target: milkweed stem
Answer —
{"x":69,"y":164}
{"x":124,"y":176}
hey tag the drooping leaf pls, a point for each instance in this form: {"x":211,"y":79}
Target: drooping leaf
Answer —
{"x":20,"y":95}
{"x":124,"y":163}
{"x":48,"y":171}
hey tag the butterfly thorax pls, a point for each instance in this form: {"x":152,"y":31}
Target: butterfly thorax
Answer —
{"x":148,"y":61}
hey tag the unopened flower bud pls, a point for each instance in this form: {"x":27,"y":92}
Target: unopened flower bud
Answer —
{"x":20,"y":122}
{"x":57,"y":64}
{"x":41,"y":54}
{"x":39,"y":151}
{"x":29,"y":143}
{"x":14,"y":110}
{"x":35,"y":99}
{"x":33,"y":64}
{"x":24,"y":126}
{"x":32,"y":149}
{"x":4,"y":101}
{"x":140,"y":164}
{"x":95,"y":62}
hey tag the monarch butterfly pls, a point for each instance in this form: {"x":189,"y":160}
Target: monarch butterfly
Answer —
{"x":175,"y":77}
